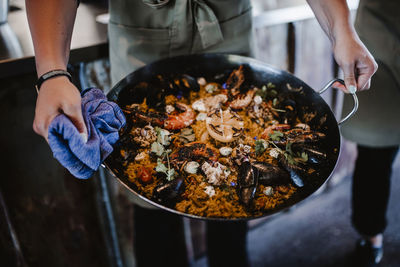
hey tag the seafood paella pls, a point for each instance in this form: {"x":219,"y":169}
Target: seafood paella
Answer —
{"x":220,"y":148}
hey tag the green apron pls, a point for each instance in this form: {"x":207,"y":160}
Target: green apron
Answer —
{"x":377,"y":121}
{"x":141,"y":32}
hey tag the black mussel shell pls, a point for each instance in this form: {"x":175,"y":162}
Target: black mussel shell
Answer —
{"x":181,"y":85}
{"x":315,"y":156}
{"x":247,"y":182}
{"x":295,"y":172}
{"x":247,"y":175}
{"x":290,"y":114}
{"x":246,"y":195}
{"x":270,"y":174}
{"x":168,"y":191}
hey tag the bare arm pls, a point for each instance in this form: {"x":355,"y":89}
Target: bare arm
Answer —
{"x":51,"y":23}
{"x":352,"y":56}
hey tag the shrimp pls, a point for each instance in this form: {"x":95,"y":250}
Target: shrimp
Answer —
{"x":242,"y":100}
{"x":140,"y":114}
{"x":195,"y":151}
{"x":276,"y":127}
{"x":235,"y":80}
{"x":182,"y":117}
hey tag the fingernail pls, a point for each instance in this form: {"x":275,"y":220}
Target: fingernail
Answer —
{"x":352,"y":89}
{"x":84,"y":137}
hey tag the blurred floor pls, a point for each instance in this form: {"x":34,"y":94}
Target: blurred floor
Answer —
{"x":319,"y":233}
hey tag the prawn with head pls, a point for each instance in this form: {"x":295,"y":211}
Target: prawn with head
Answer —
{"x":239,"y":98}
{"x":181,"y":116}
{"x":195,"y":151}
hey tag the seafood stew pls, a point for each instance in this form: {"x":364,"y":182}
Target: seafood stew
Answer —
{"x":236,"y":140}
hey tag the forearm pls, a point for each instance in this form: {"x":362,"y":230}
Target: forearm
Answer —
{"x":334,"y":17}
{"x":351,"y":55}
{"x":51,"y":23}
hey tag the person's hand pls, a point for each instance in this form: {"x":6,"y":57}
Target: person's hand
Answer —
{"x":354,"y":59}
{"x":58,"y":95}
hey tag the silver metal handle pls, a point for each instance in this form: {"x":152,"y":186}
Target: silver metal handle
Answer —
{"x":355,"y":99}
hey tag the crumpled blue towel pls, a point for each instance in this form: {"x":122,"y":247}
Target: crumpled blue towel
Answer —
{"x":103,"y":120}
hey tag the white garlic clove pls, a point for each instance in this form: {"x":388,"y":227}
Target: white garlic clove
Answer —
{"x":257,"y":100}
{"x":201,"y":81}
{"x":274,"y":153}
{"x":169,"y":109}
{"x":140,"y":156}
{"x":192,"y":167}
{"x":209,"y":190}
{"x":199,"y":105}
{"x":268,"y":191}
{"x":225,"y":151}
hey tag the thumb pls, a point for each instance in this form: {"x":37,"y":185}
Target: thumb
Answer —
{"x":350,"y":78}
{"x":74,"y":113}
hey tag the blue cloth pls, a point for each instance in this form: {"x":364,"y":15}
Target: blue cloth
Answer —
{"x":103,"y":120}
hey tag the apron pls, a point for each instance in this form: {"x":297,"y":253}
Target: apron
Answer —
{"x":143,"y":31}
{"x":377,"y":121}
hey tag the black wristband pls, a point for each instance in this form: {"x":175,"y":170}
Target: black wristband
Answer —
{"x":49,"y":75}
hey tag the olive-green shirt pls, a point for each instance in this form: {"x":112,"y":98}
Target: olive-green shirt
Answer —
{"x":144,"y":31}
{"x":377,"y":121}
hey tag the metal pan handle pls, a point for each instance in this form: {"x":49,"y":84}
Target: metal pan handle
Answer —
{"x":355,"y":99}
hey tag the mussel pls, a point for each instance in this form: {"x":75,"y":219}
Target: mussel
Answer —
{"x":296,"y":172}
{"x":181,"y":85}
{"x":169,"y":191}
{"x":314,"y":155}
{"x":269,"y":174}
{"x":251,"y":174}
{"x":290,"y":114}
{"x":304,"y":137}
{"x":247,"y":182}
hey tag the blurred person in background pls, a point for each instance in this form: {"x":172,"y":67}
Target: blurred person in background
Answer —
{"x":141,"y":32}
{"x":375,"y":127}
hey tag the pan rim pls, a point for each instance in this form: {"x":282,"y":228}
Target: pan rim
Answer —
{"x":237,"y":59}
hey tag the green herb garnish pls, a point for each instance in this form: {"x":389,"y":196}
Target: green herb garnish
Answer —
{"x":161,"y":166}
{"x":187,"y":135}
{"x":267,"y":91}
{"x":276,"y":136}
{"x":260,"y":146}
{"x":270,"y":85}
{"x":168,"y":171}
{"x":263,"y":92}
{"x":273,"y":93}
{"x":162,"y":136}
{"x":275,"y":101}
{"x":157,"y":148}
{"x":304,"y":157}
{"x":290,"y":158}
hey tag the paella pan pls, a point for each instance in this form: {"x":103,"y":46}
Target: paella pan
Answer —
{"x":222,"y":137}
